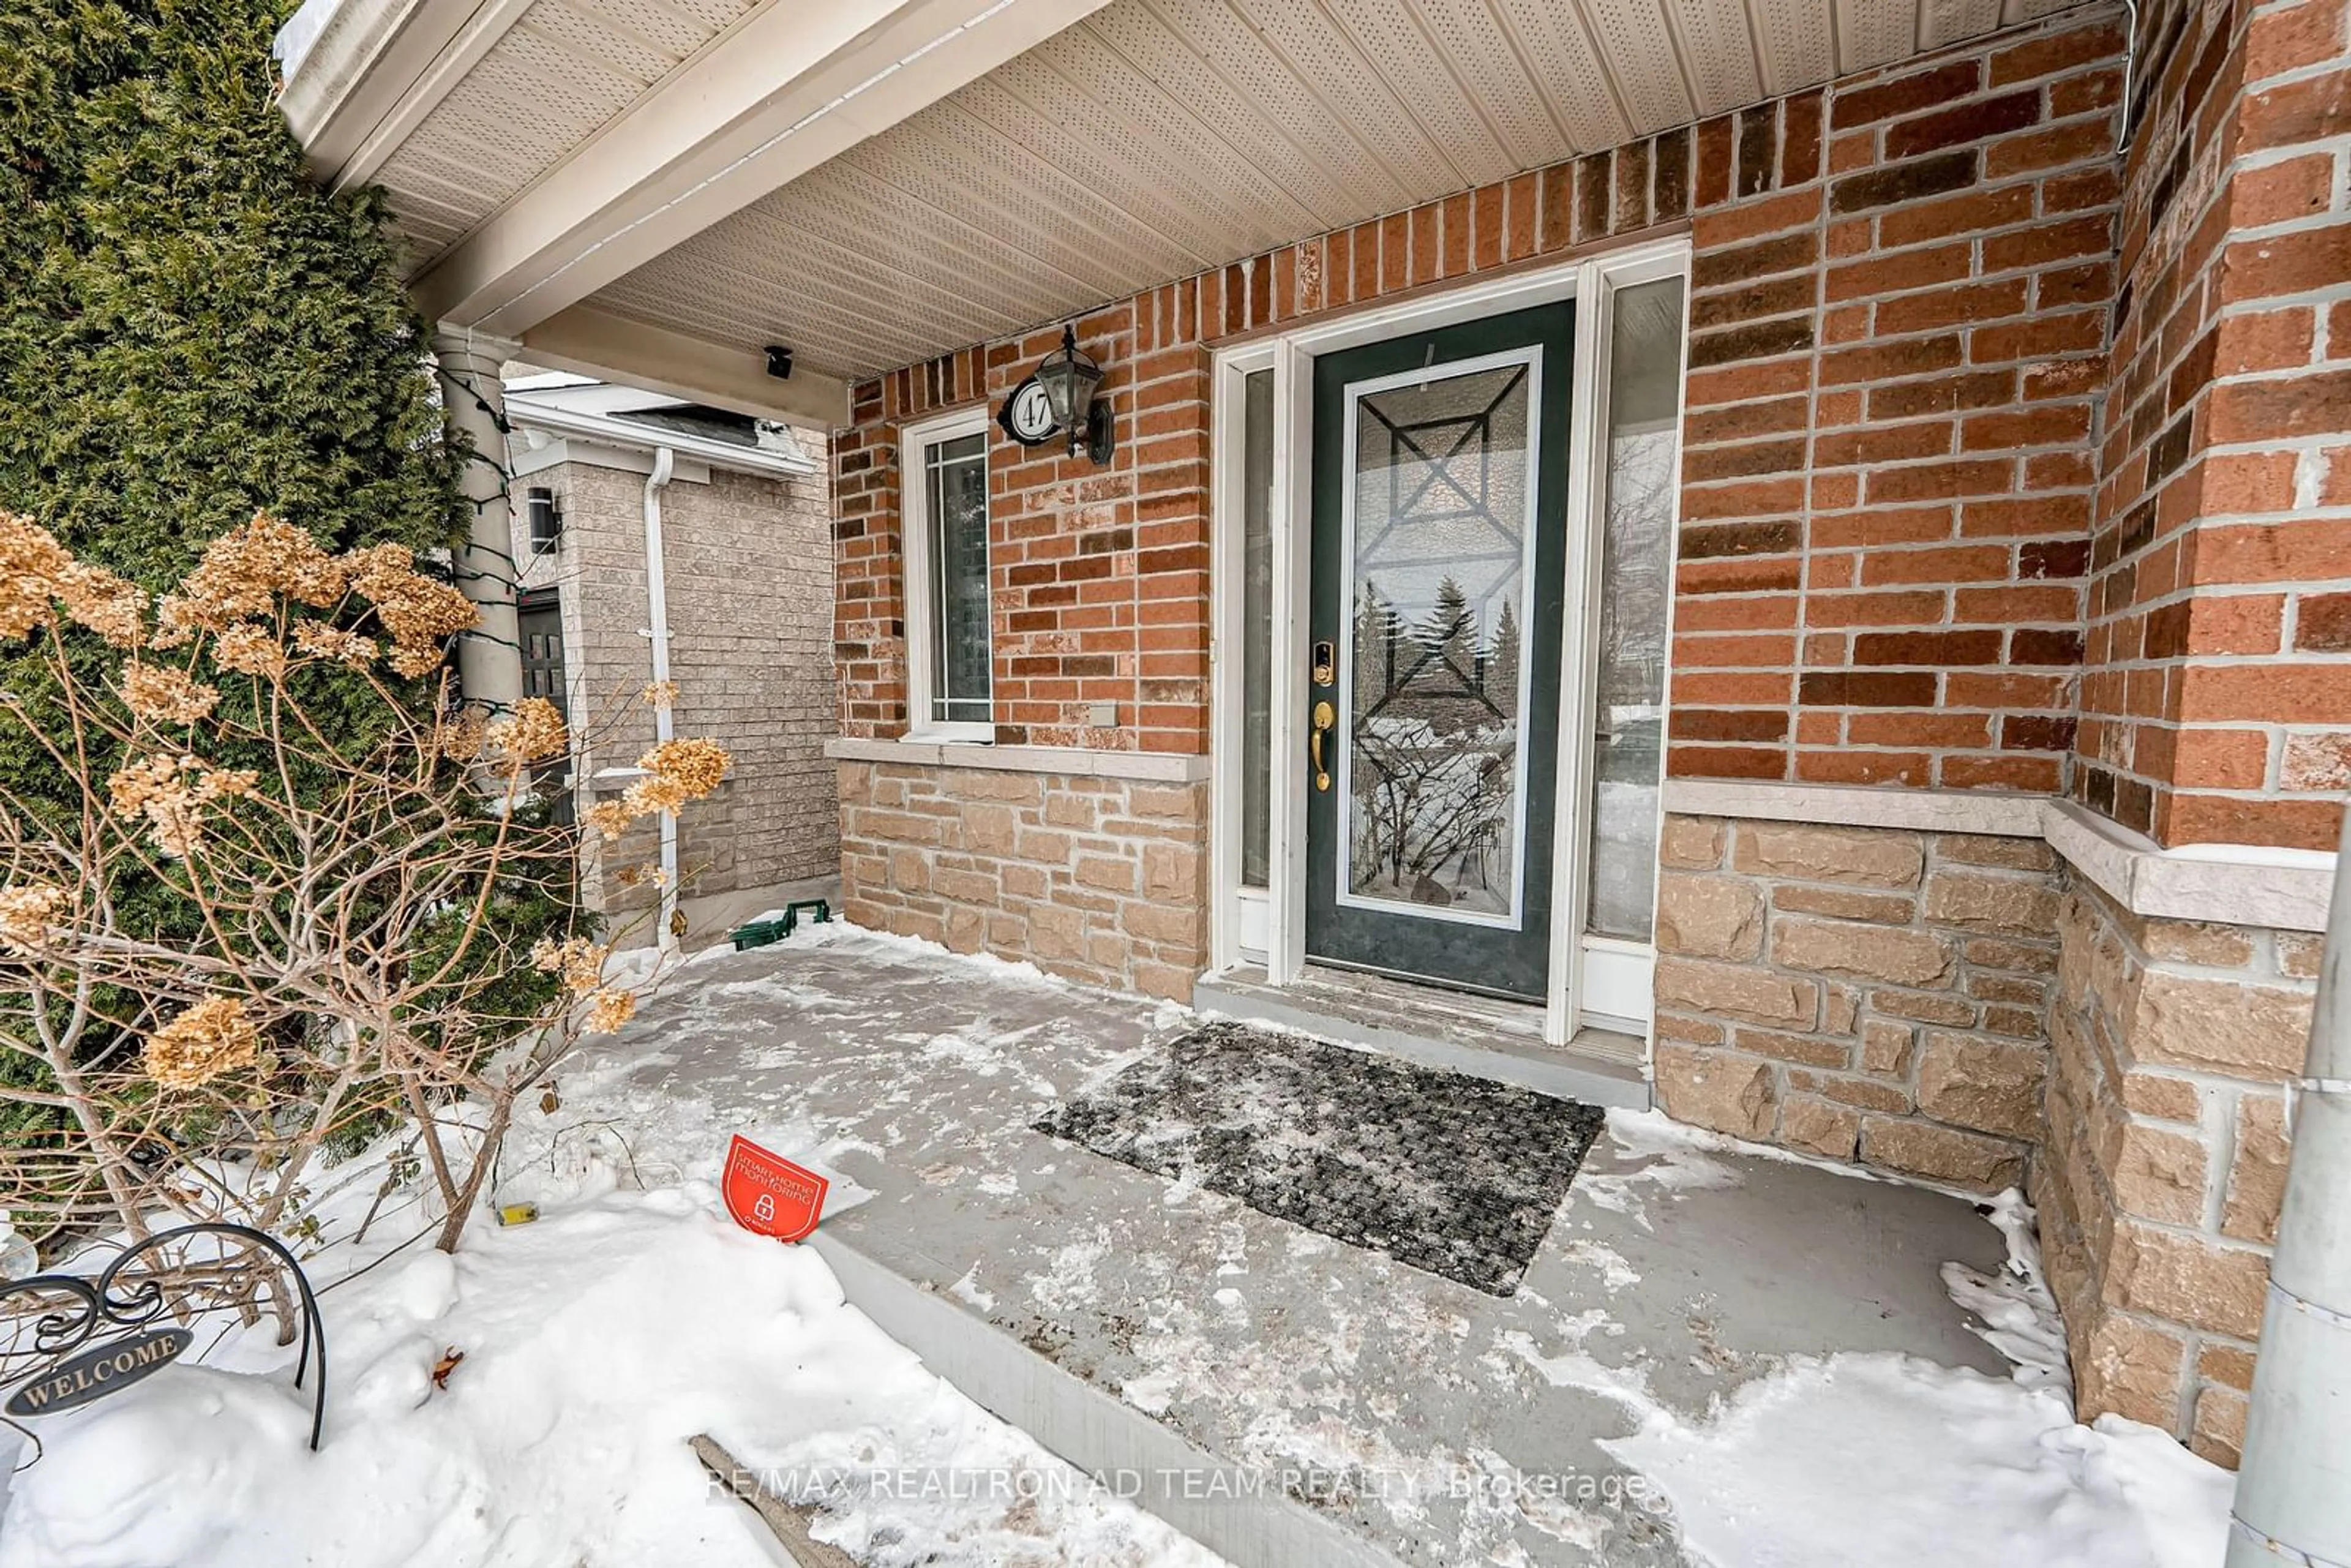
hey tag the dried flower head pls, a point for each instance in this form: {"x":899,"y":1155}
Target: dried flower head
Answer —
{"x":532,"y":733}
{"x":114,"y":606}
{"x":419,"y":613}
{"x":31,"y":560}
{"x":579,"y":961}
{"x":415,"y":659}
{"x":28,"y":912}
{"x":161,"y":694}
{"x":171,"y":793}
{"x":203,"y":1041}
{"x":695,"y":766}
{"x":651,"y":794}
{"x":612,"y":1007}
{"x":659,"y":694}
{"x":251,"y":649}
{"x":37,"y":574}
{"x":318,"y":640}
{"x":458,"y":734}
{"x":242,"y":575}
{"x":610,"y":818}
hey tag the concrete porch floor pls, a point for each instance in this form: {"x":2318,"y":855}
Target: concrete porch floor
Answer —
{"x":1387,"y":1415}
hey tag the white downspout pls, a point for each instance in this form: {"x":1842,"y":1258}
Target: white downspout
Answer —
{"x":2293,"y":1488}
{"x":665,"y":727}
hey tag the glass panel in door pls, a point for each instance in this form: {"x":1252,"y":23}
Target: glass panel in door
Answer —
{"x":1438,"y":539}
{"x":1645,"y":358}
{"x":1439,"y":546}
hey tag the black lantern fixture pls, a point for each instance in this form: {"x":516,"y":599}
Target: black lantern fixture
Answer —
{"x":1069,"y":379}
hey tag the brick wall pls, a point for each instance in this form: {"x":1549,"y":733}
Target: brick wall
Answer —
{"x":2215,"y":706}
{"x":1898,"y":324}
{"x":2214,"y":703}
{"x":750,"y":593}
{"x":2159,"y":1188}
{"x":1870,"y":993}
{"x":1896,"y":331}
{"x":1097,"y":578}
{"x":1094,"y":879}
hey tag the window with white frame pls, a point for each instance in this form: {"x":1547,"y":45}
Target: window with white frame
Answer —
{"x":948,"y":627}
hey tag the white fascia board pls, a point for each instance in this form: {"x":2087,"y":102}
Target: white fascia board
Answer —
{"x":371,"y":61}
{"x":609,"y":431}
{"x":554,"y":451}
{"x":451,"y":64}
{"x":611,"y":348}
{"x":786,"y":89}
{"x":591,"y":396}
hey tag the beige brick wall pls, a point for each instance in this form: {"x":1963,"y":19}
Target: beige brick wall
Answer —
{"x":1099,"y":880}
{"x":749,"y":567}
{"x":2160,"y":1187}
{"x":1871,"y":994}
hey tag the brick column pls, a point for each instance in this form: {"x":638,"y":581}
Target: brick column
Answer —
{"x":1897,"y":325}
{"x":2218,"y":696}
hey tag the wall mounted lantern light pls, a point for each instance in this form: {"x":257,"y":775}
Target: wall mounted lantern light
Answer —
{"x":1059,"y":398}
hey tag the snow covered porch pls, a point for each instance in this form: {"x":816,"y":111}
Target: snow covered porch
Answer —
{"x":1281,"y":1396}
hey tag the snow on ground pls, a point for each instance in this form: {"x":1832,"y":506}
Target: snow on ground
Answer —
{"x":633,"y":1315}
{"x":597,"y":1340}
{"x":1877,"y":1459}
{"x":1962,"y":1470}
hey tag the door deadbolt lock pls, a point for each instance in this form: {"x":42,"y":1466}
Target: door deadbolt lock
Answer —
{"x":1324,"y":718}
{"x":1326,"y":663}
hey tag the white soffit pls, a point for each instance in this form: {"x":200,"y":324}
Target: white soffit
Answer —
{"x":1150,"y":140}
{"x":560,"y":73}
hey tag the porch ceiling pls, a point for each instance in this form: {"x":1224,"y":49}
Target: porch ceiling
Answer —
{"x":1032,"y":160}
{"x":1158,"y":138}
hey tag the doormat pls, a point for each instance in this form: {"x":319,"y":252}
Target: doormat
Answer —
{"x":1455,"y":1175}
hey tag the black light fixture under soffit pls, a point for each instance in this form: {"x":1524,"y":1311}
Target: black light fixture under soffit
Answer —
{"x":780,"y":361}
{"x":1070,"y":379}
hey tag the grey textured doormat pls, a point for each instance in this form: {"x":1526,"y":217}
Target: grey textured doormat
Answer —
{"x":1457,"y":1175}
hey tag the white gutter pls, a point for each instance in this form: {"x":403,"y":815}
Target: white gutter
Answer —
{"x":292,"y":44}
{"x":2293,"y":1490}
{"x":664,"y":725}
{"x":522,"y":410}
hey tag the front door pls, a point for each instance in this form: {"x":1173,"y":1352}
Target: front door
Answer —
{"x":1440,"y":460}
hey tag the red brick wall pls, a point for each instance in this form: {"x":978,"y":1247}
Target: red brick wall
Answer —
{"x":2215,"y":706}
{"x":1098,"y":577}
{"x":1896,"y":331}
{"x":1898,"y":324}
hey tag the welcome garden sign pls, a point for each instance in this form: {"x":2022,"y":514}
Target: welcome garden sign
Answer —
{"x":68,"y":1339}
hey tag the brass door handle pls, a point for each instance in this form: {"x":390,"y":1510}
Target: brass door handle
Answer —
{"x":1323,"y":719}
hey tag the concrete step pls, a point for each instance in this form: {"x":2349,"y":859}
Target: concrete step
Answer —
{"x":1285,"y":1398}
{"x":1133,"y":1453}
{"x":1451,"y":1031}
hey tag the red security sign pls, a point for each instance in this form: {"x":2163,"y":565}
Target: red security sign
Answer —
{"x":768,"y":1194}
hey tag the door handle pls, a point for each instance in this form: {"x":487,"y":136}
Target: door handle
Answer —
{"x":1323,"y":719}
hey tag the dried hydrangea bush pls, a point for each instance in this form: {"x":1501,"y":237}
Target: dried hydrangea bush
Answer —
{"x":347,"y":964}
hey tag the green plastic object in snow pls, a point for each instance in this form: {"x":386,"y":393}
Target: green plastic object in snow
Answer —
{"x":759,"y":933}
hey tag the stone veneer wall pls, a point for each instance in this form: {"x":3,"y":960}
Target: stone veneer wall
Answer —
{"x":1102,"y":880}
{"x":2160,"y":1187}
{"x":1878,"y":994}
